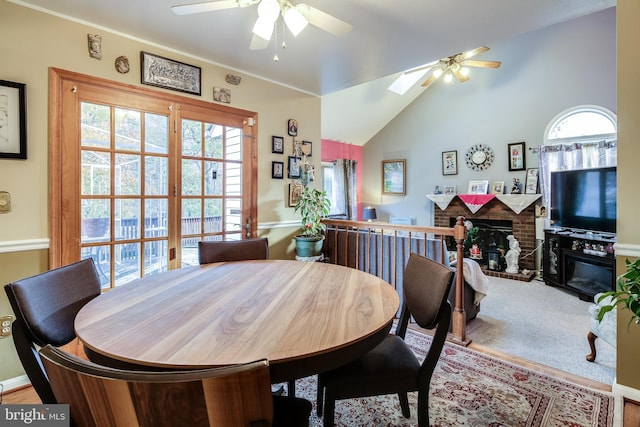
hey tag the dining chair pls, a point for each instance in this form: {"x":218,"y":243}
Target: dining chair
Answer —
{"x":392,"y":367}
{"x":45,"y":307}
{"x":233,"y":250}
{"x":230,"y":396}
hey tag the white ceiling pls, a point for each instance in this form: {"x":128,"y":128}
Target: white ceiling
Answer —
{"x":387,"y":38}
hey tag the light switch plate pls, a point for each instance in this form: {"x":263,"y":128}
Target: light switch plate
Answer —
{"x":5,"y":202}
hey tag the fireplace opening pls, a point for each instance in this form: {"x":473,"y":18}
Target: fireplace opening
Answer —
{"x":488,"y":235}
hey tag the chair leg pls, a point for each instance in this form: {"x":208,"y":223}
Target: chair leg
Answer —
{"x":291,"y":388}
{"x":404,"y":404}
{"x":591,"y":337}
{"x":329,"y":410}
{"x":423,"y":408}
{"x":319,"y":396}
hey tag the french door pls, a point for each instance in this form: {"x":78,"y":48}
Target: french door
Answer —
{"x":139,"y":177}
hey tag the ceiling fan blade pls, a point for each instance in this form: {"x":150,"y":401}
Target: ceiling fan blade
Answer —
{"x":473,"y":52}
{"x":432,"y":78}
{"x":483,"y":64}
{"x":323,"y":20}
{"x":209,"y":6}
{"x":258,"y":43}
{"x":461,"y":77}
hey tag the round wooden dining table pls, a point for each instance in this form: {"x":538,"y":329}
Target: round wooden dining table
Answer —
{"x":304,"y":317}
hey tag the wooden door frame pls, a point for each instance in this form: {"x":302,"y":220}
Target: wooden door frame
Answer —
{"x":60,"y":80}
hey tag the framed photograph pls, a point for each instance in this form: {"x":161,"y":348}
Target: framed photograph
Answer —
{"x":394,"y":176}
{"x":295,"y":191}
{"x":450,"y":189}
{"x":478,"y":187}
{"x":307,"y":148}
{"x":277,"y":144}
{"x":277,"y":170}
{"x":13,"y":120}
{"x":531,"y":183}
{"x":516,"y":156}
{"x":450,"y":162}
{"x":294,"y":167}
{"x":497,"y":187}
{"x":221,"y":94}
{"x":169,"y":74}
{"x":292,"y":127}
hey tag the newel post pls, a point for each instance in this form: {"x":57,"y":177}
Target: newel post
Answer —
{"x":459,"y":318}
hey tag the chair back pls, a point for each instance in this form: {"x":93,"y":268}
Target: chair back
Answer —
{"x":45,"y":306}
{"x":233,"y":250}
{"x":238,"y":395}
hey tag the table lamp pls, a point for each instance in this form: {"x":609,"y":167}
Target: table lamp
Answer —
{"x":369,"y":214}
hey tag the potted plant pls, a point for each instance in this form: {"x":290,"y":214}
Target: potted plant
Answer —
{"x":627,"y":293}
{"x":313,"y":206}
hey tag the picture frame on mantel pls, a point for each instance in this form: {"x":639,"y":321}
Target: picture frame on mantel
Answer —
{"x":13,"y":120}
{"x":517,"y":157}
{"x":450,"y":162}
{"x":531,"y":183}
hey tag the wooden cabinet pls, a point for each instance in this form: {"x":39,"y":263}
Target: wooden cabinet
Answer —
{"x":583,"y":263}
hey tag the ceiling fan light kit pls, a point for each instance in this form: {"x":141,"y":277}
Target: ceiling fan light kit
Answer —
{"x":454,"y":65}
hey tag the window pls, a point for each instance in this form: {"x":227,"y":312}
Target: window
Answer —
{"x":583,"y":123}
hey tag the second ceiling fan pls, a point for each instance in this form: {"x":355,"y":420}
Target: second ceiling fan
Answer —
{"x":296,"y":17}
{"x":449,"y":67}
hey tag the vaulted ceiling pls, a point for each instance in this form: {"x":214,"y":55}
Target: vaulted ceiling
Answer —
{"x":387,"y":37}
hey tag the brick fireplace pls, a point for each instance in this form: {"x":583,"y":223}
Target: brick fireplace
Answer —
{"x":523,"y":225}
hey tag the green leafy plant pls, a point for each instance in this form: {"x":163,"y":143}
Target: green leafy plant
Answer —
{"x":627,"y":293}
{"x":313,"y":206}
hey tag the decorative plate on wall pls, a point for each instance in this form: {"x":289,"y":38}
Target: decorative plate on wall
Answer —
{"x":479,"y":157}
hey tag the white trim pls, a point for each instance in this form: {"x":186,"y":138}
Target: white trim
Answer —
{"x":627,"y":249}
{"x":23,"y":245}
{"x":14,"y":383}
{"x":278,"y":224}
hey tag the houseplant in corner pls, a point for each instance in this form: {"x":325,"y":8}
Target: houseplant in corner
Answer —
{"x":627,"y":293}
{"x":313,"y":206}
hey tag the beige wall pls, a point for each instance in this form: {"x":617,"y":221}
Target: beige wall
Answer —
{"x":628,"y":13}
{"x":30,"y":43}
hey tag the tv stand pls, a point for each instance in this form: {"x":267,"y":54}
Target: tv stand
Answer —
{"x":582,"y":262}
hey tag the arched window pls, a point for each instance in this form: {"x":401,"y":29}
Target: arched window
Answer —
{"x":584,"y":123}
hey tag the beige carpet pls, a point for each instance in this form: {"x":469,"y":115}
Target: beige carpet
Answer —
{"x":543,"y":324}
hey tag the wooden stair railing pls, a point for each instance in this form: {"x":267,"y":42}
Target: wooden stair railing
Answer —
{"x":371,"y":237}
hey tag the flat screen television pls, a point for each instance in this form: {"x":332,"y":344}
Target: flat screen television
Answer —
{"x":584,"y":199}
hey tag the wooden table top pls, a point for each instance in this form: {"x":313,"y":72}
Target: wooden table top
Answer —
{"x":304,"y":317}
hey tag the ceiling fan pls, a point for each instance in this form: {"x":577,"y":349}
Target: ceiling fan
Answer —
{"x":454,"y":65}
{"x":296,"y":17}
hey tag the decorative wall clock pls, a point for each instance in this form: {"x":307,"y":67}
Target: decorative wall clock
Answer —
{"x":479,"y":157}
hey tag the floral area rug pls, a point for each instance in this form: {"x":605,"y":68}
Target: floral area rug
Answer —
{"x":473,"y":389}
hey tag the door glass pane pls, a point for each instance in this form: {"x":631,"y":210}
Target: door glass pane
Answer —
{"x":95,"y":126}
{"x":128,"y":129}
{"x":156,"y":176}
{"x":191,"y":177}
{"x":127,"y":219}
{"x":213,"y":178}
{"x":233,"y":144}
{"x":156,"y":213}
{"x":212,"y":215}
{"x":102,"y":258}
{"x":233,"y":179}
{"x":156,"y":133}
{"x":96,"y":173}
{"x":191,"y":216}
{"x":233,"y":217}
{"x":213,"y":141}
{"x":155,"y":257}
{"x":191,"y":138}
{"x":127,"y":174}
{"x":127,"y":256}
{"x":189,"y":252}
{"x":96,"y":214}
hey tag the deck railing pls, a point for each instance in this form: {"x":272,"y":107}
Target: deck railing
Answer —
{"x":383,"y":249}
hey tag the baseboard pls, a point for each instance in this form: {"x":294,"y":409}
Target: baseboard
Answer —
{"x":14,"y":383}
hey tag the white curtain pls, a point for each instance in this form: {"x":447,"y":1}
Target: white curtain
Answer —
{"x":576,"y":155}
{"x":344,"y":188}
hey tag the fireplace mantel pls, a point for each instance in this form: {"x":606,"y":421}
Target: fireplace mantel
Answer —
{"x":516,"y":202}
{"x":517,"y":208}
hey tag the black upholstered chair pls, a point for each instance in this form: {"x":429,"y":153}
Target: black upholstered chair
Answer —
{"x":392,"y":367}
{"x":237,"y":395}
{"x":45,"y":306}
{"x":233,"y":250}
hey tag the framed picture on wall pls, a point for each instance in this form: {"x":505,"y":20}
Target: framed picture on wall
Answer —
{"x":277,"y":144}
{"x":516,"y":156}
{"x":294,"y":167}
{"x":13,"y":120}
{"x":450,"y":162}
{"x":277,"y":170}
{"x":394,"y":175}
{"x":295,"y":191}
